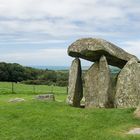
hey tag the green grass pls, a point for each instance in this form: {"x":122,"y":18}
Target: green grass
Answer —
{"x":36,"y":120}
{"x":22,"y":89}
{"x":5,"y":88}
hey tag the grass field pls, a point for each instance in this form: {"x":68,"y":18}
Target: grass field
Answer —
{"x":36,"y":120}
{"x":29,"y":90}
{"x":6,"y":88}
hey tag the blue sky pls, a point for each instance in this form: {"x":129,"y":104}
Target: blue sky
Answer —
{"x":38,"y":32}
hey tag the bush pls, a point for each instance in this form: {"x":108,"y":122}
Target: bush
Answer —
{"x":17,"y":73}
{"x":62,"y":83}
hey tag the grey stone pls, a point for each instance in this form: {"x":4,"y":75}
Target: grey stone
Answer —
{"x":98,"y":85}
{"x":92,"y":49}
{"x":91,"y":86}
{"x":128,"y":85}
{"x":15,"y":100}
{"x":137,"y":112}
{"x":75,"y":87}
{"x":46,"y":97}
{"x":134,"y":131}
{"x":104,"y":82}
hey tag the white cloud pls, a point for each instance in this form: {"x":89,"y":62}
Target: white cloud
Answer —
{"x":50,"y":56}
{"x":61,"y":21}
{"x":57,"y":18}
{"x":132,"y":47}
{"x":54,"y":8}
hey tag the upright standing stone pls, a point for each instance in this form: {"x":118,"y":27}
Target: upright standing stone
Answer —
{"x":91,"y":86}
{"x":137,"y":112}
{"x":128,"y":85}
{"x":106,"y":97}
{"x":75,"y":88}
{"x":98,"y":85}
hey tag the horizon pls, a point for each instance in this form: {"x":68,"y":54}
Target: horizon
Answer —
{"x":40,"y":34}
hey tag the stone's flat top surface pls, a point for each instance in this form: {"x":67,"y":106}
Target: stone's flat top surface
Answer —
{"x":46,"y":97}
{"x":134,"y":131}
{"x":92,"y":49}
{"x":15,"y":100}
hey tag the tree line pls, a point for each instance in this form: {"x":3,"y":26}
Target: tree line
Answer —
{"x":13,"y":72}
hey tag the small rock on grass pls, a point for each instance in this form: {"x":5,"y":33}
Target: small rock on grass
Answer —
{"x":134,"y":131}
{"x":46,"y":97}
{"x":15,"y":100}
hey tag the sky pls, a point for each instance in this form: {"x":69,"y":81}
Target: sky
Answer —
{"x":38,"y":32}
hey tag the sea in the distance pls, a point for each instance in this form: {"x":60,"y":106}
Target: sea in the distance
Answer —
{"x":51,"y":67}
{"x":113,"y":69}
{"x":56,"y":67}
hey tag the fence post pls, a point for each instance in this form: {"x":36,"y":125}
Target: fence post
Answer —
{"x":12,"y":87}
{"x":52,"y":89}
{"x":34,"y":89}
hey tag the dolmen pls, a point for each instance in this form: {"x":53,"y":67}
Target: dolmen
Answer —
{"x":98,"y":86}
